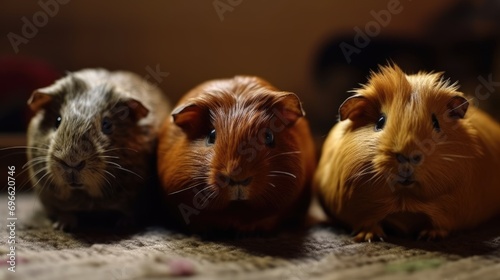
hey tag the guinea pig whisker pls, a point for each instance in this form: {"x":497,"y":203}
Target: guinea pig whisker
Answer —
{"x":41,"y":178}
{"x":34,"y":161}
{"x":272,"y":185}
{"x":107,"y":189}
{"x":188,"y":188}
{"x":456,"y":156}
{"x":274,"y":172}
{"x":47,"y":182}
{"x":111,"y":174}
{"x":206,"y":200}
{"x":204,"y":189}
{"x":106,"y":179}
{"x":112,"y":163}
{"x":33,"y":176}
{"x":116,"y":149}
{"x":119,"y":167}
{"x":377,"y":178}
{"x":363,"y":172}
{"x":285,"y":153}
{"x":42,"y":189}
{"x":267,"y":153}
{"x":23,"y":152}
{"x":24,"y":170}
{"x":116,"y":182}
{"x":24,"y":147}
{"x":448,"y":159}
{"x":129,"y":171}
{"x":115,"y":157}
{"x":202,"y":177}
{"x":454,"y":143}
{"x":366,"y":173}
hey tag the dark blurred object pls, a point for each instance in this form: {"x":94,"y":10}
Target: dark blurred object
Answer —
{"x":19,"y":76}
{"x":462,"y":42}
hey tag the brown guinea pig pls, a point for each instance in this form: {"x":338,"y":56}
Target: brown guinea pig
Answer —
{"x":236,"y":155}
{"x":92,"y":144}
{"x":410,"y":153}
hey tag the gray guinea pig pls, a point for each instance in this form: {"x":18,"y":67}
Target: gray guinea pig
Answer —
{"x":92,"y":143}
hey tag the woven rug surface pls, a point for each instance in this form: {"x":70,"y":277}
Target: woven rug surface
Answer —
{"x":320,"y":252}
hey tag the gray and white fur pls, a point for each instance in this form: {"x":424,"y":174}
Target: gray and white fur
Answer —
{"x":92,"y":143}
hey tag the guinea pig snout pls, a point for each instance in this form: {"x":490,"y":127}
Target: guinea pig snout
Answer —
{"x":70,"y":165}
{"x":414,"y":158}
{"x":70,"y":171}
{"x":224,"y":179}
{"x":406,"y":167}
{"x":237,"y":186}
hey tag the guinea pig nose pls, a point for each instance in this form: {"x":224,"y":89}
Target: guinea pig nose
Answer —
{"x":224,"y":179}
{"x":401,"y":158}
{"x":236,"y":182}
{"x":246,"y":182}
{"x":79,"y":165}
{"x":416,"y":158}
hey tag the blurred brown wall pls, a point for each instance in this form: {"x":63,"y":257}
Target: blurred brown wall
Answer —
{"x":278,"y":40}
{"x":274,"y":39}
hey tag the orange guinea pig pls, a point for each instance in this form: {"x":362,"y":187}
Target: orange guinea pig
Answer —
{"x":237,"y":155}
{"x":410,"y":153}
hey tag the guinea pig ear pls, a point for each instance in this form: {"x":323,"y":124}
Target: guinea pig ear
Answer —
{"x":357,"y":108}
{"x":289,"y":108}
{"x":190,"y":117}
{"x":457,"y":107}
{"x":137,"y":108}
{"x":39,"y":98}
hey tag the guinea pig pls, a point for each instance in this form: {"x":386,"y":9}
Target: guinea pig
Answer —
{"x":92,"y":144}
{"x":410,"y":154}
{"x":237,"y":155}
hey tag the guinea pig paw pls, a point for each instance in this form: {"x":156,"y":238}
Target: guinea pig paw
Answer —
{"x":66,"y":223}
{"x":433,"y":234}
{"x":368,"y":235}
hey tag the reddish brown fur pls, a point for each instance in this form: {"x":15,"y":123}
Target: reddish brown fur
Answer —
{"x":239,"y":109}
{"x":456,"y":183}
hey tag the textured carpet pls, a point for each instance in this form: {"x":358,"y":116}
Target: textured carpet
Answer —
{"x":320,"y":252}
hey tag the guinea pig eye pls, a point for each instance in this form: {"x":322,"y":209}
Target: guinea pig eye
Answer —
{"x":58,"y":122}
{"x":269,"y":138}
{"x":211,"y":137}
{"x":107,"y":126}
{"x":435,"y":123}
{"x":380,"y":123}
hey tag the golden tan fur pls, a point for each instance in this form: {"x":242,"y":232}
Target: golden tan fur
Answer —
{"x":453,"y":180}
